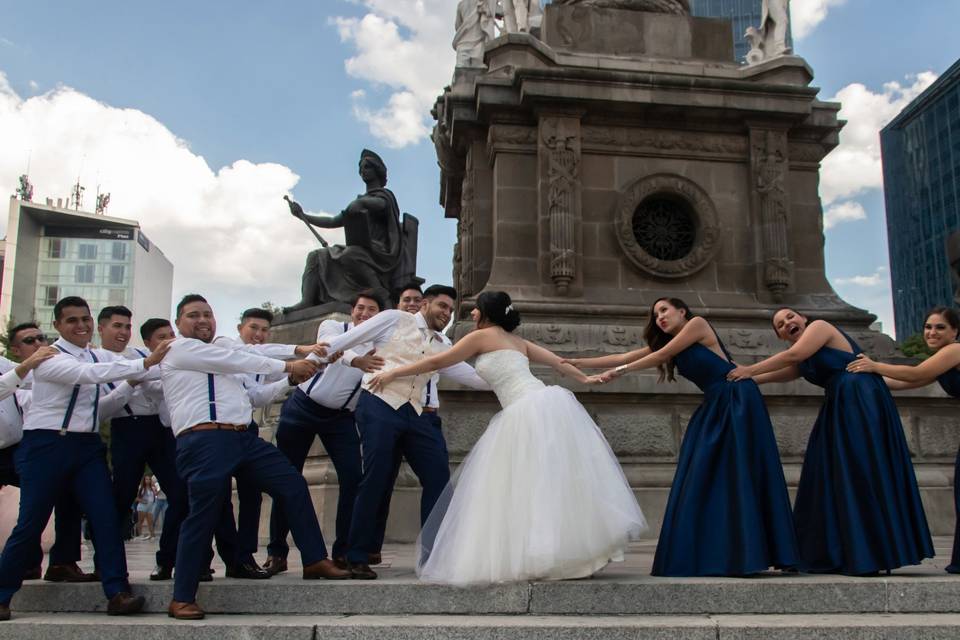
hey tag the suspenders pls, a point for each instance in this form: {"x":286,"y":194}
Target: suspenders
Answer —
{"x":112,"y":386}
{"x":73,"y":400}
{"x":211,"y":398}
{"x":316,"y":379}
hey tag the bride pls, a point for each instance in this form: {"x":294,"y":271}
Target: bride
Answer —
{"x":541,"y":495}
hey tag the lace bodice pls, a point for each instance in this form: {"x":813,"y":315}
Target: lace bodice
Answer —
{"x":508,"y":372}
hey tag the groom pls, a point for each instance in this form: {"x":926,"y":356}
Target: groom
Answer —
{"x":392,"y":421}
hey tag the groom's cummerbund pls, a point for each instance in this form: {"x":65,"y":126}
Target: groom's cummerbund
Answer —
{"x":407,"y":345}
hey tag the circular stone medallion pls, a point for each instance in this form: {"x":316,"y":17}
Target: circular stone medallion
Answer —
{"x":667,"y":225}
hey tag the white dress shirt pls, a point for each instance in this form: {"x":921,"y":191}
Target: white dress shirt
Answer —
{"x":73,"y":375}
{"x":200,"y":382}
{"x":337,"y":385}
{"x":263,"y":389}
{"x":119,"y":400}
{"x":11,"y":413}
{"x":377,"y":331}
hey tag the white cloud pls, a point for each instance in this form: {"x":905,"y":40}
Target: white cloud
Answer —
{"x":843,"y":212}
{"x":403,"y":49}
{"x":34,"y":85}
{"x":805,"y":15}
{"x":212,"y":224}
{"x":876,"y":279}
{"x":854,"y":166}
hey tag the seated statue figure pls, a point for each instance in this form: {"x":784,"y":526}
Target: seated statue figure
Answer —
{"x":679,"y":7}
{"x":373,"y":248}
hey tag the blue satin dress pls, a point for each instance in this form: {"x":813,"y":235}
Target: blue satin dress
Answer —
{"x":950,"y":381}
{"x":728,"y":513}
{"x":858,"y":509}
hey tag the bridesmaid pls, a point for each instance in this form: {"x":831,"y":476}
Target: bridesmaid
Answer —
{"x":728,"y":513}
{"x":940,"y":333}
{"x":858,"y":509}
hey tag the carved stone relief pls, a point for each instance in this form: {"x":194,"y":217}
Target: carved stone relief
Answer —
{"x":663,"y":226}
{"x":560,"y":195}
{"x":636,"y":140}
{"x":770,"y":165}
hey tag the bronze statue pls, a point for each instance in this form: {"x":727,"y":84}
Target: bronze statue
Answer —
{"x":380,"y":254}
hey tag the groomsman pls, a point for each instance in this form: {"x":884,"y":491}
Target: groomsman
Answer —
{"x":23,"y":341}
{"x":409,"y":299}
{"x":138,"y":438}
{"x":322,"y":407}
{"x":393,"y":420}
{"x":254,"y":329}
{"x":211,"y":413}
{"x":61,"y":447}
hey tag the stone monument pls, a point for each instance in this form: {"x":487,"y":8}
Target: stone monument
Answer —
{"x":624,"y":156}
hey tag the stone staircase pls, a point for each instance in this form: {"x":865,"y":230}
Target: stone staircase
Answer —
{"x":623,"y":601}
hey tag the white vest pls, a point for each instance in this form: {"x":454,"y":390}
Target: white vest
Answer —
{"x":407,"y":345}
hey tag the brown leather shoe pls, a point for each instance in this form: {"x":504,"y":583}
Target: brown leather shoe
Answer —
{"x":374,"y":558}
{"x":185,"y":611}
{"x":33,"y":574}
{"x":125,"y":603}
{"x":68,"y":573}
{"x":362,"y":572}
{"x":275,"y":565}
{"x":4,"y":612}
{"x":324,"y":569}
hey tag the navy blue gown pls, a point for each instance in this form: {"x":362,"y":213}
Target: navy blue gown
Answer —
{"x":728,"y":513}
{"x":858,"y":509}
{"x":950,"y":381}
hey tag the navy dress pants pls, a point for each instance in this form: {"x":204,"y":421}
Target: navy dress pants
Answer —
{"x":137,"y":441}
{"x":249,"y":501}
{"x":302,"y":420}
{"x":206,"y":460}
{"x":385,"y":432}
{"x":66,"y":524}
{"x":47,"y":462}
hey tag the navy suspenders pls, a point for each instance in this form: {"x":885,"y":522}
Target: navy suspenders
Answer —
{"x":111,"y":386}
{"x":316,"y":379}
{"x":211,"y":397}
{"x":73,"y":400}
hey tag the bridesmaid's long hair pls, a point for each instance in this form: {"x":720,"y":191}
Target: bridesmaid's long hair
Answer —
{"x":656,"y":338}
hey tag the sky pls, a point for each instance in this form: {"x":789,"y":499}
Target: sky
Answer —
{"x":198,"y":117}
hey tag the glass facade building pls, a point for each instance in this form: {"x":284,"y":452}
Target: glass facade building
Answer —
{"x":921,"y":175}
{"x":743,"y":13}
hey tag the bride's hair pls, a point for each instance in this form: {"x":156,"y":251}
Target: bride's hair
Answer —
{"x":496,"y":307}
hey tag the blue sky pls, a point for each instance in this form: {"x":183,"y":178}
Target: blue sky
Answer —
{"x":230,"y":102}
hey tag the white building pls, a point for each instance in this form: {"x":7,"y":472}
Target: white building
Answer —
{"x":53,"y":252}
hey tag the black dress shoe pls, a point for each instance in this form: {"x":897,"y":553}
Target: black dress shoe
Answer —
{"x":275,"y":565}
{"x":69,"y":573}
{"x":4,"y":612}
{"x":161,"y":572}
{"x":125,"y":603}
{"x":33,"y":574}
{"x":247,"y":571}
{"x":206,"y":576}
{"x":362,"y":572}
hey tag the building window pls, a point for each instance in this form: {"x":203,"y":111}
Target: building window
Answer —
{"x":85,"y":272}
{"x":117,"y":296}
{"x":116,"y":274}
{"x":56,"y":248}
{"x":88,"y":252}
{"x":119,"y":251}
{"x":51,"y":295}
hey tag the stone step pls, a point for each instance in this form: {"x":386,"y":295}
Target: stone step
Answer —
{"x":612,"y":595}
{"x":91,"y":626}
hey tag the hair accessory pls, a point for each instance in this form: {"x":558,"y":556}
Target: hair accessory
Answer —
{"x":508,"y":309}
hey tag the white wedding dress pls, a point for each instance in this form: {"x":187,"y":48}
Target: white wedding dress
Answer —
{"x":541,"y":495}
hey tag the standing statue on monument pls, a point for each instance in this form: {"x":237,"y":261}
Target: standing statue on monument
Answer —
{"x":770,"y":40}
{"x":475,"y":27}
{"x":521,"y":16}
{"x":374,"y":240}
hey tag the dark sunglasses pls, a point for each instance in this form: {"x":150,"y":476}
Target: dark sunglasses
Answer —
{"x":32,"y":339}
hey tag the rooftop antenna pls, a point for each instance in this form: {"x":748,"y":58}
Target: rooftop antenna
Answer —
{"x":76,"y":195}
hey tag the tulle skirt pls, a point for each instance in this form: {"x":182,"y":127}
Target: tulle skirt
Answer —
{"x":540,"y":497}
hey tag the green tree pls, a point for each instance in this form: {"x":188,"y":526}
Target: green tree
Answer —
{"x":272,"y":308}
{"x":916,"y":347}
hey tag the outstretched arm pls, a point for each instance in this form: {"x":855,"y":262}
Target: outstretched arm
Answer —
{"x":817,"y":335}
{"x":613,"y":360}
{"x":538,"y":354}
{"x":900,"y":385}
{"x":781,"y":375}
{"x":924,"y":373}
{"x":324,"y":222}
{"x":696,"y":330}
